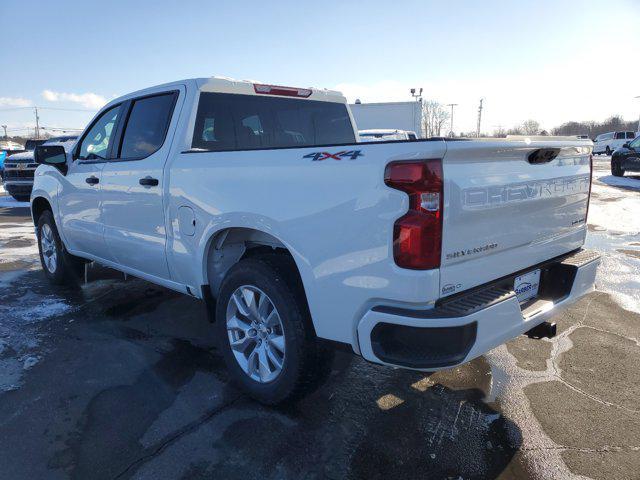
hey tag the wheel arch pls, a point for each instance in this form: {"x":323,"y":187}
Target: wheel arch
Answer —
{"x":38,"y":206}
{"x":228,"y":246}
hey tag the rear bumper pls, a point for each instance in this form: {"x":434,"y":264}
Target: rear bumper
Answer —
{"x":467,"y":325}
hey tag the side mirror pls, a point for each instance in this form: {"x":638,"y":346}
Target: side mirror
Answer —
{"x":626,"y":145}
{"x":53,"y":155}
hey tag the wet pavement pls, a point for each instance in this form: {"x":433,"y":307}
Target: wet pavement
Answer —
{"x":122,"y":379}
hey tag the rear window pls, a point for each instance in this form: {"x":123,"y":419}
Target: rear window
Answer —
{"x":147,"y":126}
{"x":248,"y":122}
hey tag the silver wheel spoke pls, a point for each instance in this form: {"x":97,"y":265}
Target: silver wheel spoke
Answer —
{"x":240,"y":303}
{"x":242,"y":344}
{"x":252,"y":364}
{"x":265,"y":370}
{"x":236,"y":323}
{"x":277,"y":361}
{"x":264,"y":306}
{"x":273,"y":320}
{"x":278,"y":342}
{"x":251,"y":303}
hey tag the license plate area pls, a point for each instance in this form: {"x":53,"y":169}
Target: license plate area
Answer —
{"x":526,"y":285}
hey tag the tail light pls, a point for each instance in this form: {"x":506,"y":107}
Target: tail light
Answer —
{"x":280,"y":90}
{"x":417,"y":235}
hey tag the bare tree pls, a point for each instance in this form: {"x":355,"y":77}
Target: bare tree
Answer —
{"x":434,"y":117}
{"x":530,"y":127}
{"x":499,"y":132}
{"x":593,"y":129}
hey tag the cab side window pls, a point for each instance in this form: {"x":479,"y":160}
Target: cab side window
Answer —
{"x":146,"y":126}
{"x":95,"y":144}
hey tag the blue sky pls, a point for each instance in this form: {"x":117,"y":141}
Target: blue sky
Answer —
{"x":548,"y":60}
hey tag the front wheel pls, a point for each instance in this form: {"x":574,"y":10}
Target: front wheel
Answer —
{"x":616,"y":169}
{"x":60,"y":267}
{"x":265,"y":330}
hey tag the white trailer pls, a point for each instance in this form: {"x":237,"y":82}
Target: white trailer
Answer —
{"x":390,"y":115}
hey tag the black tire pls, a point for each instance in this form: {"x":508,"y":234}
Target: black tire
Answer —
{"x":66,"y":269}
{"x":608,"y":150}
{"x":616,"y":169}
{"x":307,"y":360}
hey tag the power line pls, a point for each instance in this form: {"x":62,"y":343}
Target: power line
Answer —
{"x":49,"y":108}
{"x":13,"y":108}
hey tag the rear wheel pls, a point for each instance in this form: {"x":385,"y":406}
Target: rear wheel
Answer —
{"x":616,"y":169}
{"x":266,"y":334}
{"x":60,"y":267}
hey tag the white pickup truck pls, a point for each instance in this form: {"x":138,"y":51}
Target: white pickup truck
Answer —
{"x":259,"y":200}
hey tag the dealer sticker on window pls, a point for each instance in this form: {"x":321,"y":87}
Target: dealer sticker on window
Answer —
{"x":526,"y":285}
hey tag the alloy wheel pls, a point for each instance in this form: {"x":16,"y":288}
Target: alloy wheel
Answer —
{"x":255,"y":332}
{"x":49,"y":248}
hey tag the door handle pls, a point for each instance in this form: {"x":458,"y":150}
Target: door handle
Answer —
{"x":149,"y":182}
{"x":92,"y":180}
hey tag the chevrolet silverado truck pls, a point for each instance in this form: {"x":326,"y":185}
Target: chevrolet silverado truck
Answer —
{"x":259,"y":200}
{"x":20,"y":167}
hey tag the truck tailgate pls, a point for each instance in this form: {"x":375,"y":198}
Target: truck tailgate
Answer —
{"x":507,"y":207}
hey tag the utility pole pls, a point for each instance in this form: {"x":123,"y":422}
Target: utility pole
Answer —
{"x":37,"y":123}
{"x":418,"y":97}
{"x":5,"y":131}
{"x":451,"y":134}
{"x":479,"y":118}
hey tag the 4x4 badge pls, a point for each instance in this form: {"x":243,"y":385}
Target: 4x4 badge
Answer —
{"x":319,"y":156}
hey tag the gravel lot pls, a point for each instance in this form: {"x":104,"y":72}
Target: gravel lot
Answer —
{"x":121,"y":379}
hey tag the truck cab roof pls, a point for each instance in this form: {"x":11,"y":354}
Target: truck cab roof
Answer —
{"x":244,"y":87}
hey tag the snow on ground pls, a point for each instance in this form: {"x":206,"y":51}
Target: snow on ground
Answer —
{"x":7,"y":201}
{"x":18,"y":243}
{"x":614,"y":230}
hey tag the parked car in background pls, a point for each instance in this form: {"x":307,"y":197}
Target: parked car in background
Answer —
{"x":19,"y":167}
{"x":3,"y":155}
{"x":608,"y":142}
{"x":626,"y":158}
{"x":384,"y":134}
{"x":8,"y":148}
{"x":259,"y":200}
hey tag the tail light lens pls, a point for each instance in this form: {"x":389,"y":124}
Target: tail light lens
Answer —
{"x":417,"y":235}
